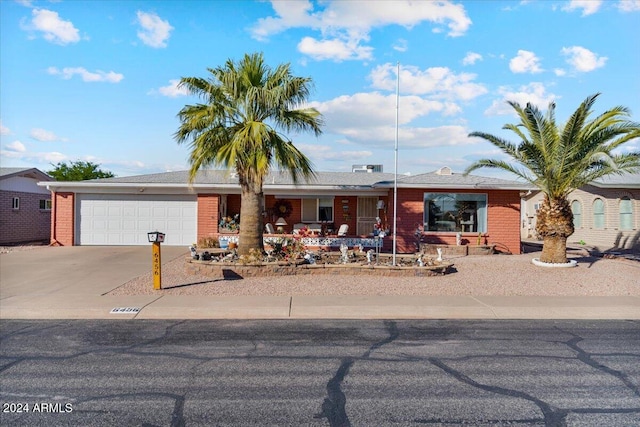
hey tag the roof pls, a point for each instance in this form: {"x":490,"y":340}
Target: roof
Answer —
{"x":223,"y":177}
{"x":26,"y":172}
{"x":222,"y":180}
{"x":448,"y":179}
{"x":629,"y":180}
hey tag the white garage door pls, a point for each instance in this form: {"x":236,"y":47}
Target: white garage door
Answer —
{"x":117,"y":219}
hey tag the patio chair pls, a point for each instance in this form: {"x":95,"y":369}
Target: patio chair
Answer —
{"x":342,"y":231}
{"x":315,"y":228}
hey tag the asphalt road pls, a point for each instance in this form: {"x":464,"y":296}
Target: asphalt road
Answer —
{"x":319,"y":373}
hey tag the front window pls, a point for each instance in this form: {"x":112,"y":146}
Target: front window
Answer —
{"x":576,"y":208}
{"x":463,"y":212}
{"x":598,"y":214}
{"x":626,"y":214}
{"x":317,"y":210}
{"x":45,"y":204}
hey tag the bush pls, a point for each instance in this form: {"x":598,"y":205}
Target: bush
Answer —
{"x":208,"y":242}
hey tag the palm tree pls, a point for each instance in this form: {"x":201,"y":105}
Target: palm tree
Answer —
{"x":559,"y":159}
{"x":238,"y":126}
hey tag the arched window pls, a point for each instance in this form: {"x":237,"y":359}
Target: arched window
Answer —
{"x":598,"y":214}
{"x":626,"y":214}
{"x":576,"y":208}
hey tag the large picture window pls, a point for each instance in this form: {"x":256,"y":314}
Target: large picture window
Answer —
{"x":317,"y":210}
{"x":463,"y":212}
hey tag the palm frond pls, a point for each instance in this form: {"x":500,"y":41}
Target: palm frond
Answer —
{"x":232,"y":127}
{"x":559,"y":159}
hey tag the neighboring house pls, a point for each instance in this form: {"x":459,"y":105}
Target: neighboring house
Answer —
{"x":25,"y":207}
{"x":120,"y":211}
{"x":606,"y":213}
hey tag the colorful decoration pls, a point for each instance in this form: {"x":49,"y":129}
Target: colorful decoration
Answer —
{"x":282,"y":208}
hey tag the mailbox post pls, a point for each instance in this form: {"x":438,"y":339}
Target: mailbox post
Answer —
{"x":156,"y":238}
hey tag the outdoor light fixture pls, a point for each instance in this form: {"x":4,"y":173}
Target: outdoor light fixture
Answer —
{"x":155,"y":237}
{"x":380,"y":205}
{"x":281,"y":223}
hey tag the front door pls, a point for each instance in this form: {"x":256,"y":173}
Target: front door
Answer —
{"x":367,"y":213}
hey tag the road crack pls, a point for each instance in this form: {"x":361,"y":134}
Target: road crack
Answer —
{"x":333,"y":407}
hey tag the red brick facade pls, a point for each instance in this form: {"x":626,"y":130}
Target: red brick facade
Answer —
{"x":503,"y":219}
{"x":28,"y":223}
{"x":208,"y":215}
{"x":62,"y":219}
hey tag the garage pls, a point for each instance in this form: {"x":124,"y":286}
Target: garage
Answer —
{"x":125,"y":219}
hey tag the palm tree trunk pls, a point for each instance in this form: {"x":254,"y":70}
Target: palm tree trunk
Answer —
{"x":250,"y":220}
{"x":554,"y":249}
{"x":554,"y":224}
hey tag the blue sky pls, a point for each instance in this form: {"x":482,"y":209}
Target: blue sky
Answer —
{"x":96,"y":80}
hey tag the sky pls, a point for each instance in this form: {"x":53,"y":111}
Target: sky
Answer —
{"x":97,"y":80}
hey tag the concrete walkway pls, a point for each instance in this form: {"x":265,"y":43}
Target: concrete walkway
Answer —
{"x":70,"y":283}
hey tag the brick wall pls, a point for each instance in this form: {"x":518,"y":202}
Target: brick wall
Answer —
{"x":27,"y":224}
{"x":503,"y":221}
{"x":611,"y":236}
{"x":208,"y":215}
{"x":62,"y":219}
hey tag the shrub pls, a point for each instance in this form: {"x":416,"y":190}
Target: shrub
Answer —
{"x":208,"y":242}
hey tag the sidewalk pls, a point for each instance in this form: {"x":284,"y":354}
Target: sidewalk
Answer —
{"x":69,"y":283}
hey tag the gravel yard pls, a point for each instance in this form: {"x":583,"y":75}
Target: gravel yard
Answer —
{"x":508,"y":275}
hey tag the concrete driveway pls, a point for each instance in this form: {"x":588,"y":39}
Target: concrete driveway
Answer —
{"x":47,"y":277}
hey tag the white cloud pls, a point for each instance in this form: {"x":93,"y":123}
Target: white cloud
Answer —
{"x":401,"y":45}
{"x":155,"y":31}
{"x":328,"y":153}
{"x":18,"y":151}
{"x":369,"y":119}
{"x":582,"y":59}
{"x":4,"y":130}
{"x":560,"y":72}
{"x":16,"y":146}
{"x":437,"y":82}
{"x":588,"y":7}
{"x":43,"y":135}
{"x":525,"y":62}
{"x":172,"y":90}
{"x":629,"y":5}
{"x":534,"y":93}
{"x":471,"y":58}
{"x":335,"y":49}
{"x":54,"y":29}
{"x":345,"y":24}
{"x":87,"y":76}
{"x":349,"y":113}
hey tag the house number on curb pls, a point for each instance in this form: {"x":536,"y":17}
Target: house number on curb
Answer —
{"x":124,"y":310}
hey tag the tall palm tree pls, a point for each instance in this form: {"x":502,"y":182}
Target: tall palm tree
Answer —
{"x":559,"y":159}
{"x":245,"y":106}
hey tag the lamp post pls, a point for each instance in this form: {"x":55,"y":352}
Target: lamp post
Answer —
{"x":156,"y":238}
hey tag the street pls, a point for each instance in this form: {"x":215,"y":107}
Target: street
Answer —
{"x":319,"y":373}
